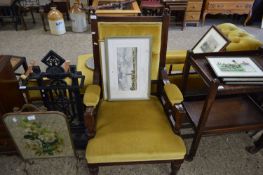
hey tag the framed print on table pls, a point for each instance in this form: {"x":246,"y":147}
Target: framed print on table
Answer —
{"x":212,"y":41}
{"x":234,"y":67}
{"x":128,"y":65}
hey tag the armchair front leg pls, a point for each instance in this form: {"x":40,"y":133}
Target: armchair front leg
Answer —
{"x":90,"y":122}
{"x":180,"y":114}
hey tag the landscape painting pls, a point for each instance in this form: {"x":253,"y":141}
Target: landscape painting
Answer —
{"x":212,"y":41}
{"x":210,"y":45}
{"x":128,"y":66}
{"x":127,"y":71}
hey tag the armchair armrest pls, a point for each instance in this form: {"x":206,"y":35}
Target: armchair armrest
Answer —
{"x":173,"y":99}
{"x":173,"y":93}
{"x":92,"y":95}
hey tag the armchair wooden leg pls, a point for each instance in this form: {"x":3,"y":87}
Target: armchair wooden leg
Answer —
{"x":175,"y":166}
{"x":93,"y":169}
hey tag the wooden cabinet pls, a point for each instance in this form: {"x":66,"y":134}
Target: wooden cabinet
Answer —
{"x":193,"y":11}
{"x":240,"y":7}
{"x":10,"y":96}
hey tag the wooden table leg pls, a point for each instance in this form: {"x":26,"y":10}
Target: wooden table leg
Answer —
{"x":203,"y":18}
{"x":203,"y":118}
{"x":248,"y":18}
{"x":258,"y":146}
{"x":42,"y":14}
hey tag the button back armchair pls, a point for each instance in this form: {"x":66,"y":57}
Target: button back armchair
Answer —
{"x":134,"y":131}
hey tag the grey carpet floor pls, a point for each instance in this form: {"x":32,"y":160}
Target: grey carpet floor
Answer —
{"x":224,"y":154}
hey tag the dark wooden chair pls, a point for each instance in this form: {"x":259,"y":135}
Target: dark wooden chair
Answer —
{"x":151,"y":7}
{"x":134,"y":131}
{"x":11,"y":9}
{"x":177,"y":8}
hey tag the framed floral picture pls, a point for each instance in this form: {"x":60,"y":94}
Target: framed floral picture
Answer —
{"x":40,"y":134}
{"x":212,"y":41}
{"x":128,"y":65}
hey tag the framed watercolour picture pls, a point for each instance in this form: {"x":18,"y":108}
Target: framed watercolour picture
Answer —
{"x":40,"y":134}
{"x":128,"y":65}
{"x":234,"y":67}
{"x":212,"y":41}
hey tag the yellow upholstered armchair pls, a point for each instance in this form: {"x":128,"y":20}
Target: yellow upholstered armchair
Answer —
{"x":134,"y":131}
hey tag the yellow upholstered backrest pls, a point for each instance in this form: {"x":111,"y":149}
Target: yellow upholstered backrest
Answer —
{"x":136,"y":29}
{"x":239,"y":38}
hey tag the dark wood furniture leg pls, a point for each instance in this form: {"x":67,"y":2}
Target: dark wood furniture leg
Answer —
{"x":204,"y":116}
{"x":32,"y":14}
{"x":258,"y":146}
{"x":248,"y":18}
{"x":186,"y":70}
{"x":20,"y":15}
{"x":175,"y":166}
{"x":42,"y":14}
{"x":93,"y":169}
{"x":203,"y":18}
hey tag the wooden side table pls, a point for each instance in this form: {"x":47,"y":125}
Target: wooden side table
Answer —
{"x":240,"y":7}
{"x":209,"y":116}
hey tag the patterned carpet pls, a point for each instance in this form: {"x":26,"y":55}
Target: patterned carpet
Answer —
{"x":220,"y":155}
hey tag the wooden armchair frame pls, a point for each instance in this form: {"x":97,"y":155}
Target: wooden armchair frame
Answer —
{"x":176,"y":110}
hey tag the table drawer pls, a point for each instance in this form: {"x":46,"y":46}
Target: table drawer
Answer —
{"x":194,"y":6}
{"x":192,"y":16}
{"x":229,"y":6}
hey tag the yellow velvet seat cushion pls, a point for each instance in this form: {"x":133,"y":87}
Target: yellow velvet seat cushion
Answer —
{"x":173,"y":93}
{"x":92,"y":95}
{"x":88,"y":73}
{"x":128,"y":131}
{"x":175,"y":56}
{"x":136,"y":29}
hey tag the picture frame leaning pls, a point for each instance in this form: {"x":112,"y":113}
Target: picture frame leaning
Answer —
{"x":128,"y":66}
{"x":212,"y":41}
{"x":40,"y":134}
